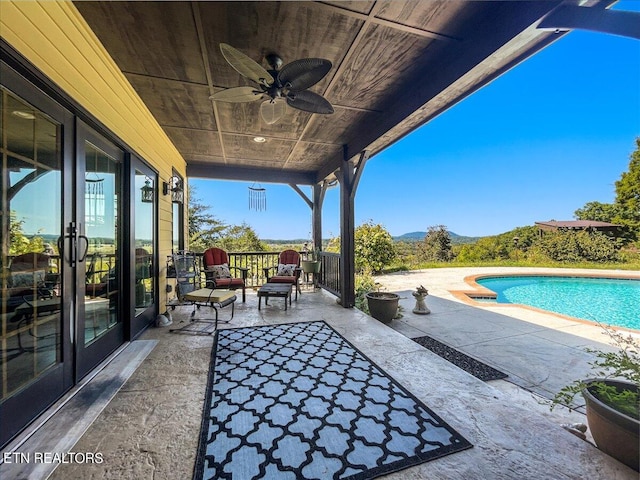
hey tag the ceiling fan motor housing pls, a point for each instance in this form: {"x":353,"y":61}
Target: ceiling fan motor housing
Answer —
{"x":274,"y":61}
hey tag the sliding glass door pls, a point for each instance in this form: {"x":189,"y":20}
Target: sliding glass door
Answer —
{"x":36,"y":358}
{"x":142,"y":226}
{"x":78,"y":250}
{"x":100,"y":166}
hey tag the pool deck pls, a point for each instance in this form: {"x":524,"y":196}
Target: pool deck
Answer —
{"x":540,"y":351}
{"x":150,"y":427}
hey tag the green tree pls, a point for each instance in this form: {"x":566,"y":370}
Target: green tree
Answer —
{"x":240,"y":238}
{"x":374,"y":248}
{"x":597,"y":211}
{"x":204,"y":228}
{"x":626,"y":208}
{"x":485,"y":249}
{"x":19,"y":243}
{"x":436,"y":246}
{"x":333,"y":245}
{"x":628,"y":195}
{"x":513,"y":244}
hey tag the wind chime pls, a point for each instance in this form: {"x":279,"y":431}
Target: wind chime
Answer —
{"x":257,"y":198}
{"x":94,"y":196}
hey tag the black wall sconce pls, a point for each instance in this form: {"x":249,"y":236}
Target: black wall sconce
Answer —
{"x":147,"y":191}
{"x":175,"y":187}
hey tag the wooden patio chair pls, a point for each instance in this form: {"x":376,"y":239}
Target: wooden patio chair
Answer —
{"x":217,"y":270}
{"x":32,"y":286}
{"x":287,"y":271}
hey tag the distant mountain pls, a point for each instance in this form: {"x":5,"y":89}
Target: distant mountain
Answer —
{"x":419,"y":236}
{"x":411,"y":237}
{"x":407,"y":237}
{"x":272,"y":241}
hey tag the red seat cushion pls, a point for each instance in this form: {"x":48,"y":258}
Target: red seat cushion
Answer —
{"x":229,"y":282}
{"x":282,"y":279}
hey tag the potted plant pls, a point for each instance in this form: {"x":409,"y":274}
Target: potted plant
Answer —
{"x":612,"y":399}
{"x":383,"y":306}
{"x":311,"y":260}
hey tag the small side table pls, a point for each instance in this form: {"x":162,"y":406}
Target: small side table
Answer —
{"x":274,"y":290}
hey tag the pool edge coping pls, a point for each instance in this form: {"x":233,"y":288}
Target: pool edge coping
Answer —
{"x":466,"y":296}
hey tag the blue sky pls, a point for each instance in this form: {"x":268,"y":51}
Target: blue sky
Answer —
{"x":536,"y":144}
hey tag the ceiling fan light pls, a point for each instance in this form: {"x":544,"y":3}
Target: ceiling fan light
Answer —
{"x":272,"y":110}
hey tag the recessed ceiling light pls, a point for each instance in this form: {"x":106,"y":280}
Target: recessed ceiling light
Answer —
{"x":23,"y":114}
{"x":259,"y":139}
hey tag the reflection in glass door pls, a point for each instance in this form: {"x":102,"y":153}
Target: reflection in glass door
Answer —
{"x":35,"y":368}
{"x":101,"y":185}
{"x":100,"y":327}
{"x":144,"y":241}
{"x":144,"y":211}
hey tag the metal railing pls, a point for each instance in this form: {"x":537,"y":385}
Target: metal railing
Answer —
{"x":328,"y":278}
{"x":254,"y":261}
{"x":330,"y":272}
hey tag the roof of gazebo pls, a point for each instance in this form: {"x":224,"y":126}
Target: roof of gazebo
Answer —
{"x":577,"y":225}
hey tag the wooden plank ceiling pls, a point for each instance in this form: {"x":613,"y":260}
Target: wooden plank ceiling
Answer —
{"x":396,"y":65}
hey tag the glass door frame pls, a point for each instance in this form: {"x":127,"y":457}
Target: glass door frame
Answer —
{"x":48,"y":388}
{"x":90,"y":356}
{"x":142,"y":320}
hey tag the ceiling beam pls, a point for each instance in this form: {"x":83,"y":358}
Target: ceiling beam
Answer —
{"x":302,"y":194}
{"x":332,"y":164}
{"x":197,"y":18}
{"x":371,"y":18}
{"x":343,"y":65}
{"x":230,"y":172}
{"x":456,"y":61}
{"x":616,"y":22}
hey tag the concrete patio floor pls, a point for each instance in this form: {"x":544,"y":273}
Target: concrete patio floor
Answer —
{"x":150,"y":428}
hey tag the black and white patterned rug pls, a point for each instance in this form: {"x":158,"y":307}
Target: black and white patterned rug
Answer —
{"x":298,"y":401}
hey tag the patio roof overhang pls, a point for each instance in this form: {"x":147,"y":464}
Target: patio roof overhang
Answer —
{"x":396,"y":65}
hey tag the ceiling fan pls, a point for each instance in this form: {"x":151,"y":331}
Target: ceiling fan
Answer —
{"x":278,"y":87}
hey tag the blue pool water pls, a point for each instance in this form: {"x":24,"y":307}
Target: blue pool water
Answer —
{"x":608,"y":301}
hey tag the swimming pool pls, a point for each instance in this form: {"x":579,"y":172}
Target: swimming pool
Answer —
{"x":610,"y":301}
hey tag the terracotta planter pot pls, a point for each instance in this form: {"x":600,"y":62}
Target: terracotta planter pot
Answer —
{"x":383,"y":306}
{"x":615,"y":433}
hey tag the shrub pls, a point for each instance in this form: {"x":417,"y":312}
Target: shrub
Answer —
{"x":374,"y":248}
{"x":572,"y":247}
{"x":485,"y":249}
{"x":365,"y":283}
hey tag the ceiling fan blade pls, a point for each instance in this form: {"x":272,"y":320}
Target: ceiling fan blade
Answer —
{"x":237,"y":95}
{"x":309,"y":102}
{"x":245,"y":66}
{"x":304,"y":73}
{"x":272,"y":110}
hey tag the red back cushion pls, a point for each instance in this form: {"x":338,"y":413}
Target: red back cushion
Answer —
{"x":215,"y":256}
{"x":28,"y":262}
{"x":290,"y":257}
